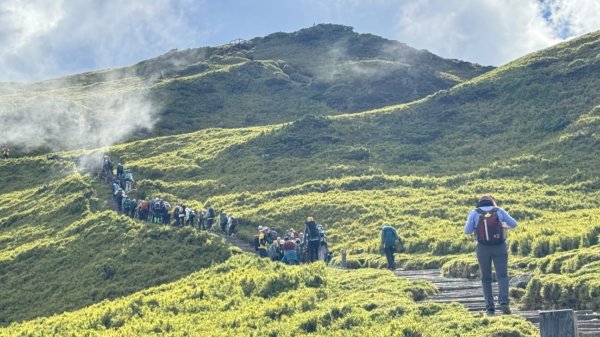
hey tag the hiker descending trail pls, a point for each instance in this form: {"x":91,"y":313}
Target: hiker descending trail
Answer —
{"x":468,"y":293}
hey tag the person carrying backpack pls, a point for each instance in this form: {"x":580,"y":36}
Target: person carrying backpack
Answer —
{"x":209,"y":217}
{"x":223,"y":222}
{"x":489,"y":223}
{"x":128,"y":177}
{"x":312,"y":239}
{"x":126,"y":204}
{"x":389,"y":236}
{"x":231,"y":224}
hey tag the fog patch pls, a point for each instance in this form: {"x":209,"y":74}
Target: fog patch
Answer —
{"x":72,"y":118}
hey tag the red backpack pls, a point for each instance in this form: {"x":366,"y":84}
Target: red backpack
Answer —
{"x":489,"y":229}
{"x":144,"y":205}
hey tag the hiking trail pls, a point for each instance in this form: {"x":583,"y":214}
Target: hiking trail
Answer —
{"x":469,"y":294}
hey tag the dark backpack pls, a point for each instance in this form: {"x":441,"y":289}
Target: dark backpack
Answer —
{"x":489,"y":229}
{"x":210,"y":213}
{"x":389,"y":237}
{"x":313,"y":231}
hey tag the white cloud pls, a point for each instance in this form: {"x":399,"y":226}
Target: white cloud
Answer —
{"x":491,"y":31}
{"x":43,"y":39}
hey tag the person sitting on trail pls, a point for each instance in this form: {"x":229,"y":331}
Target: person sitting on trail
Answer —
{"x":261,"y":242}
{"x":6,"y":152}
{"x":119,"y":198}
{"x":126,"y":204}
{"x":133,"y":208}
{"x":209,"y":217}
{"x":489,"y":224}
{"x":128,"y":178}
{"x":290,"y":256}
{"x":223,"y":222}
{"x":389,"y":237}
{"x":312,"y":238}
{"x":231,"y":224}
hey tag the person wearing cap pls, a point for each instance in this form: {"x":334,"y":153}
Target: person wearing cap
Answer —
{"x":483,"y":221}
{"x":261,"y":241}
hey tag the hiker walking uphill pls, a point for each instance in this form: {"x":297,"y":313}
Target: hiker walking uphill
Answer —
{"x":312,"y":238}
{"x":389,"y":237}
{"x":489,"y":223}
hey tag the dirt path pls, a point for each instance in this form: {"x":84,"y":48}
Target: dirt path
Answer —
{"x":468,"y":293}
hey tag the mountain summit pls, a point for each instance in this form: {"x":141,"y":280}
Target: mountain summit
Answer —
{"x":323,"y":70}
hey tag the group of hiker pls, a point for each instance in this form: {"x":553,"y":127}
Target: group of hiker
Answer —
{"x":487,"y":222}
{"x":295,"y":247}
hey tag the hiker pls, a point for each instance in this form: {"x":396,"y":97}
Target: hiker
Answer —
{"x":182,"y":215}
{"x":290,"y":256}
{"x":274,"y":251}
{"x":389,"y":236}
{"x":260,"y":242}
{"x":312,"y":239}
{"x":119,"y":194}
{"x":190,"y":216}
{"x":209,"y":217}
{"x":128,"y":178}
{"x":489,"y":223}
{"x":223,"y":222}
{"x":176,"y":211}
{"x":231,"y":224}
{"x":166,"y":216}
{"x":126,"y":204}
{"x":133,"y":208}
{"x":119,"y":170}
{"x":201,"y":216}
{"x":6,"y":152}
{"x":143,"y":210}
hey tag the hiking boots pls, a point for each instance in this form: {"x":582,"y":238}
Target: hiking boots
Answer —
{"x":505,"y":309}
{"x":490,"y":312}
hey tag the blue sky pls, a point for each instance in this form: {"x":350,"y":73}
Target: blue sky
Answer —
{"x":43,"y":39}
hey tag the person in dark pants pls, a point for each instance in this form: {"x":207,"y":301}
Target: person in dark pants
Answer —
{"x":312,"y":239}
{"x":489,"y":223}
{"x":389,"y":236}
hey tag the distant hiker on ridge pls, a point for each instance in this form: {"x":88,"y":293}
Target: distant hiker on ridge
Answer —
{"x":489,"y":224}
{"x":6,"y":152}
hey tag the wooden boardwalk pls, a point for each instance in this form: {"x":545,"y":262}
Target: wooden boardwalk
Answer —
{"x":469,"y":293}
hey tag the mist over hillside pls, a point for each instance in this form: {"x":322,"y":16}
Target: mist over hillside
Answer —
{"x":322,"y":70}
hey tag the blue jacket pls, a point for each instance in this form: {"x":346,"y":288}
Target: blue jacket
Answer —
{"x":473,"y":219}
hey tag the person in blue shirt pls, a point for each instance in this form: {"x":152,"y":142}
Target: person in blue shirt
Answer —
{"x":491,"y":247}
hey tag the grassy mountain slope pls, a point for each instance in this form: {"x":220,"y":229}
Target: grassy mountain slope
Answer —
{"x":526,"y":133}
{"x":247,"y":296}
{"x":324,"y":70}
{"x":61,"y":248}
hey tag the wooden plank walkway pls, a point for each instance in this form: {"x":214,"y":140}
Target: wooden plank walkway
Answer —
{"x":468,"y":293}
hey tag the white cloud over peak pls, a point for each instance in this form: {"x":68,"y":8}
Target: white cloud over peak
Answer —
{"x":492,"y":32}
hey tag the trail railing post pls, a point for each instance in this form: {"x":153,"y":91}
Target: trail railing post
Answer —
{"x":558,"y":323}
{"x":344,"y":258}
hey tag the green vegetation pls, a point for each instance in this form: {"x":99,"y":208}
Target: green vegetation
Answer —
{"x":61,"y":248}
{"x":323,"y":70}
{"x":527,"y":133}
{"x":246,"y":296}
